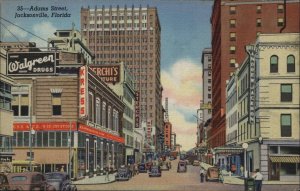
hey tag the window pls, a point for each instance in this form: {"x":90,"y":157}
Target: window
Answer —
{"x":56,"y":103}
{"x":285,"y":123}
{"x":258,"y":9}
{"x":98,"y":111}
{"x":274,"y":64}
{"x":286,"y":92}
{"x":280,"y":8}
{"x":232,"y":62}
{"x":232,"y":50}
{"x":280,"y":22}
{"x":258,"y":22}
{"x":232,"y":36}
{"x":290,"y":63}
{"x":91,"y":107}
{"x":232,"y":10}
{"x":232,"y":23}
{"x":103,"y":114}
{"x":15,"y":105}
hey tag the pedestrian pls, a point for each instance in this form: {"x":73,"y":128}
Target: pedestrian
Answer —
{"x":242,"y":170}
{"x":107,"y":173}
{"x":258,"y":177}
{"x":201,"y":174}
{"x":62,"y":169}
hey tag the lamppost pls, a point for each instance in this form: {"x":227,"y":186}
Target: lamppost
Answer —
{"x":245,"y":146}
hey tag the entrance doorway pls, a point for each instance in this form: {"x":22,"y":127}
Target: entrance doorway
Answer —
{"x":275,"y":171}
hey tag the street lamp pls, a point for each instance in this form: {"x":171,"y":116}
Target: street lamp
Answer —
{"x":245,"y":146}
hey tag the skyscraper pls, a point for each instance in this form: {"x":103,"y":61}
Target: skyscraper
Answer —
{"x":234,"y":25}
{"x":130,"y":35}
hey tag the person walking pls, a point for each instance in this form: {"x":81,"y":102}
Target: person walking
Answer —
{"x":258,"y":177}
{"x":202,"y":174}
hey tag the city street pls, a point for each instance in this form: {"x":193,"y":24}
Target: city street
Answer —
{"x":171,"y":180}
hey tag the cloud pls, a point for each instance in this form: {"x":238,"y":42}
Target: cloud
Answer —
{"x":11,"y":30}
{"x":43,"y":30}
{"x":182,"y":85}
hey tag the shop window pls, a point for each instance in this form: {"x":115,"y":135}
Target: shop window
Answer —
{"x":39,"y":139}
{"x":288,"y":169}
{"x":274,"y":64}
{"x":286,"y":128}
{"x":56,"y":103}
{"x":65,"y":136}
{"x":286,"y":92}
{"x":58,"y":139}
{"x":51,"y":139}
{"x":290,"y":63}
{"x":274,"y":150}
{"x":45,"y":139}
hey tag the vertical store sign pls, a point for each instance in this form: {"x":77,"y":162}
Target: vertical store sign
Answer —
{"x":252,"y":51}
{"x":137,"y":109}
{"x":83,"y":91}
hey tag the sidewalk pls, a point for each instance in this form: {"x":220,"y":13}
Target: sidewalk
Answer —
{"x":96,"y":180}
{"x":240,"y":180}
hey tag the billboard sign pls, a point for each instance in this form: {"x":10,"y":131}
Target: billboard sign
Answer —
{"x":31,"y":63}
{"x":107,"y":73}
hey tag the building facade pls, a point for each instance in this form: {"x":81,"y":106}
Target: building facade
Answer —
{"x":230,"y":33}
{"x":6,"y":115}
{"x":130,"y":35}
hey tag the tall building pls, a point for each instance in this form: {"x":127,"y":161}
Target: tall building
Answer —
{"x":232,"y":29}
{"x":130,"y":35}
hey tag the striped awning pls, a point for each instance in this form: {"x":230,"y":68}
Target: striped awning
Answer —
{"x":285,"y":159}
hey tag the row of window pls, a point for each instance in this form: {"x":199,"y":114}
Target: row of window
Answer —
{"x":233,"y":23}
{"x":121,"y":16}
{"x":118,"y":33}
{"x":118,"y":48}
{"x":115,"y":26}
{"x":280,"y":8}
{"x":109,"y":55}
{"x":5,"y":95}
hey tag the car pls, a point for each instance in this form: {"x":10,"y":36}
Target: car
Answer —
{"x":196,"y":163}
{"x":212,"y":174}
{"x":60,"y":180}
{"x":155,"y":171}
{"x":4,"y":185}
{"x":149,"y":165}
{"x":181,"y":167}
{"x":29,"y":181}
{"x":171,"y":158}
{"x":164,"y":165}
{"x":123,"y":173}
{"x":142,"y":168}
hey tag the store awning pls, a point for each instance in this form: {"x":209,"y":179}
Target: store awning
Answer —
{"x":285,"y":159}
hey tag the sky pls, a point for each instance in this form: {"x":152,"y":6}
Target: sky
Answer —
{"x":185,"y":32}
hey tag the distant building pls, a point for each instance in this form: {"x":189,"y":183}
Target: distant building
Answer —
{"x":130,"y":35}
{"x":167,"y":135}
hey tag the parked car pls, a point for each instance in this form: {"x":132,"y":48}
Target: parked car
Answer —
{"x":60,"y":180}
{"x":164,"y":165}
{"x":196,"y":163}
{"x":181,"y":167}
{"x":171,"y":158}
{"x":4,"y":185}
{"x":142,"y":168}
{"x":123,"y":173}
{"x":155,"y":171}
{"x":29,"y":181}
{"x":212,"y":173}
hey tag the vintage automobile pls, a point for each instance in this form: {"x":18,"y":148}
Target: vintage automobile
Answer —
{"x":60,"y":180}
{"x":123,"y":173}
{"x":164,"y":165}
{"x":149,"y":165}
{"x":4,"y":185}
{"x":212,"y":174}
{"x":142,"y":168}
{"x":29,"y":181}
{"x":181,"y":167}
{"x":155,"y":171}
{"x":196,"y":163}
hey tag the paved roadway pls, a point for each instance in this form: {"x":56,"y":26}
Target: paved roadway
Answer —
{"x":171,"y":180}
